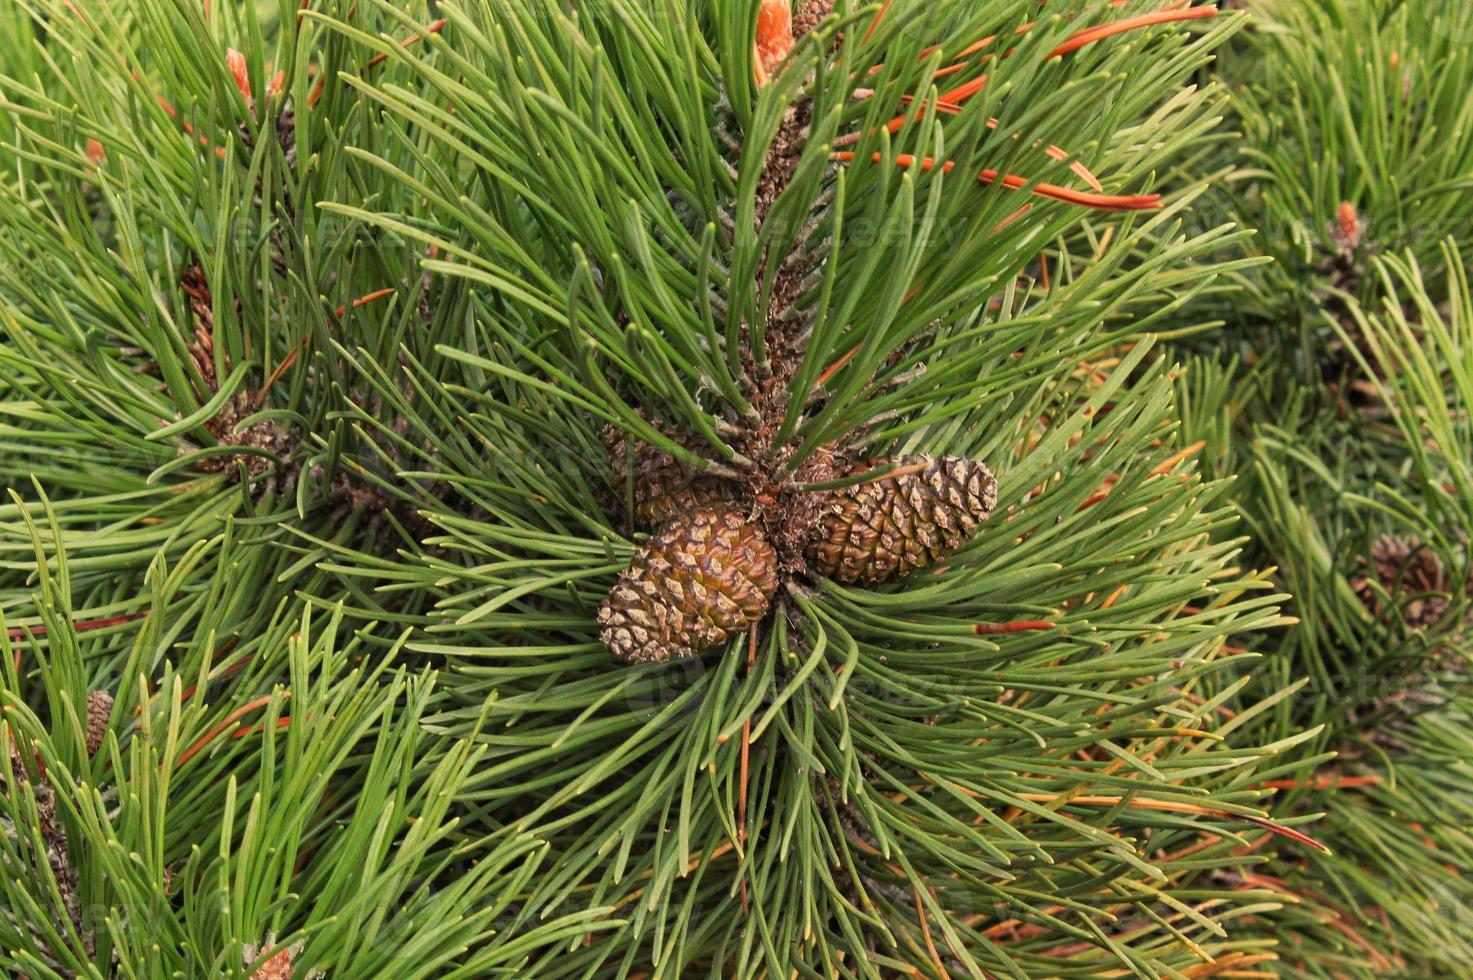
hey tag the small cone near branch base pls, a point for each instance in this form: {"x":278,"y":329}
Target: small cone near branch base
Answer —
{"x":662,"y":486}
{"x":99,"y":709}
{"x":890,"y":527}
{"x":703,"y":577}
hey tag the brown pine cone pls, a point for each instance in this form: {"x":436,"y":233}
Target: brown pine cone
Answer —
{"x":704,"y":576}
{"x":99,"y":707}
{"x":663,"y":486}
{"x":1414,"y":577}
{"x":878,"y":531}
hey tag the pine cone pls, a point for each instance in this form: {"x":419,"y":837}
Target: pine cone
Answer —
{"x":703,"y":577}
{"x":663,"y":486}
{"x":889,"y":528}
{"x":197,"y":288}
{"x":99,"y":707}
{"x":1412,"y":575}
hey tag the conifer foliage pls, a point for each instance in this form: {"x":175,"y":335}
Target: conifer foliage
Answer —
{"x":1349,"y":433}
{"x":689,"y":487}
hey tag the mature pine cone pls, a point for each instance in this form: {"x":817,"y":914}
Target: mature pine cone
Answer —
{"x":702,"y":578}
{"x":890,"y":527}
{"x":663,"y":486}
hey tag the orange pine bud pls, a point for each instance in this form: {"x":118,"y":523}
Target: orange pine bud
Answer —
{"x":1348,"y":226}
{"x":774,"y":38}
{"x":236,"y":62}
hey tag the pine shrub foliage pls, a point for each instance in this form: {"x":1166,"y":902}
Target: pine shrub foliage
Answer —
{"x":353,"y":349}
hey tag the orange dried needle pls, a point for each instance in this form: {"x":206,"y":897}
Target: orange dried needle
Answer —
{"x":291,"y":357}
{"x":977,"y":46}
{"x":19,"y":632}
{"x":377,"y":59}
{"x":949,"y":103}
{"x":1017,"y":626}
{"x":282,"y":368}
{"x":1167,"y":15}
{"x":281,"y":722}
{"x":229,"y":720}
{"x":434,"y":28}
{"x":833,"y":368}
{"x":1011,"y":218}
{"x":190,"y":691}
{"x":874,"y":25}
{"x":1058,"y":153}
{"x":185,"y":125}
{"x":926,"y":934}
{"x":1100,"y":202}
{"x":1170,"y":463}
{"x":746,"y":752}
{"x":1178,"y":806}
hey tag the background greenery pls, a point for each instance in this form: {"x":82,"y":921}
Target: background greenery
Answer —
{"x":312,"y":318}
